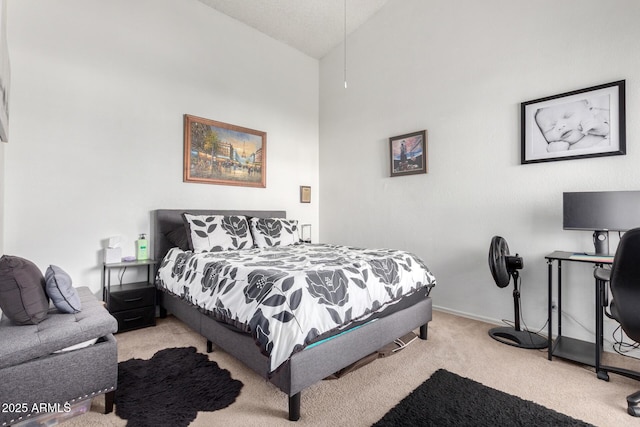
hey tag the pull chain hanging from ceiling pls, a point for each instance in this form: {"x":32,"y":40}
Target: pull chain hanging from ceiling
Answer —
{"x":345,"y":44}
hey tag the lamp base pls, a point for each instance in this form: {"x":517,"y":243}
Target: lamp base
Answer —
{"x":522,"y":339}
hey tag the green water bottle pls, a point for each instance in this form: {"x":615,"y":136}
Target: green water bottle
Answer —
{"x":142,"y":248}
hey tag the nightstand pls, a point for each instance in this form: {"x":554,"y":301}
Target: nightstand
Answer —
{"x":132,"y":304}
{"x":305,"y":233}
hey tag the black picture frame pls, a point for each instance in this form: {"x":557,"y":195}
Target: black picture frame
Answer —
{"x":408,"y":153}
{"x":579,"y":124}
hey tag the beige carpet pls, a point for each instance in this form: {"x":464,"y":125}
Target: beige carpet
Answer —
{"x":457,"y":344}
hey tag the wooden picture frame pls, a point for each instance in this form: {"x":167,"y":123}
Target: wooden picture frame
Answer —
{"x":574,"y":125}
{"x":408,"y":153}
{"x":305,"y":194}
{"x":225,"y":154}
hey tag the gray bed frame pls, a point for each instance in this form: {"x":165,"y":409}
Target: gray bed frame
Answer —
{"x":304,"y":368}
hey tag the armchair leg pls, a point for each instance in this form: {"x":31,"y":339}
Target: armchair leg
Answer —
{"x":424,"y":329}
{"x":108,"y":401}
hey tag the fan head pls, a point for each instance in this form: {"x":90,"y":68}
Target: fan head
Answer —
{"x":501,"y":264}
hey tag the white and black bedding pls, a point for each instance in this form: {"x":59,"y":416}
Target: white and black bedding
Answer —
{"x":287,"y":297}
{"x":213,"y":230}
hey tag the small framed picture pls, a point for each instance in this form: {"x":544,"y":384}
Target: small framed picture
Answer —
{"x":408,"y":153}
{"x":305,"y":194}
{"x":574,"y":125}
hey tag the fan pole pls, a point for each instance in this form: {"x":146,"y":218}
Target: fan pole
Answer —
{"x":515,"y":336}
{"x":516,"y":299}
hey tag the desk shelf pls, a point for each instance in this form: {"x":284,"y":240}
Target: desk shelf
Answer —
{"x":576,"y":350}
{"x":584,"y":352}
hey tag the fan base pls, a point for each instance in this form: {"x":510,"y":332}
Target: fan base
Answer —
{"x":522,"y":339}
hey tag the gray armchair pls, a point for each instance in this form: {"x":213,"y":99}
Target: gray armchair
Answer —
{"x":34,"y":371}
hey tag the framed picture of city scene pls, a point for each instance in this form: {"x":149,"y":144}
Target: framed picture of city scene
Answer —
{"x":574,"y":125}
{"x":408,"y":153}
{"x":220,"y":153}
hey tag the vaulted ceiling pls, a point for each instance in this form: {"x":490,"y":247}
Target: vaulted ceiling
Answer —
{"x":314,"y":27}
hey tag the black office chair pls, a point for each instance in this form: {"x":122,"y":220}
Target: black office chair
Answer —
{"x":624,"y":281}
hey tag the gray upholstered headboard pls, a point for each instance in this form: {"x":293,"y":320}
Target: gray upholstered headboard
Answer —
{"x":165,"y":221}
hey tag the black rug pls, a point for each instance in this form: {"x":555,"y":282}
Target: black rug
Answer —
{"x":447,"y":399}
{"x":170,"y":388}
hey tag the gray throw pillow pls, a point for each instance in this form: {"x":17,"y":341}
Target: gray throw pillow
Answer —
{"x":22,"y":296}
{"x":61,"y":291}
{"x":178,"y":238}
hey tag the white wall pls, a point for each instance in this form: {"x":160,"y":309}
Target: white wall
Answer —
{"x":2,"y":180}
{"x":460,"y":70}
{"x":3,"y":26}
{"x":99,"y":89}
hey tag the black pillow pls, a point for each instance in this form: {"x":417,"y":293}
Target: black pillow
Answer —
{"x":178,"y":237}
{"x":22,"y":291}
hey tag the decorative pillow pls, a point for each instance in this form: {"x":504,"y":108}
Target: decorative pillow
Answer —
{"x":212,"y":233}
{"x":178,"y":238}
{"x":268,"y":232}
{"x":22,"y":296}
{"x":61,"y":290}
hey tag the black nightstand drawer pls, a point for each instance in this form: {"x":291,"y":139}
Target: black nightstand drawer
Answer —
{"x":134,"y":319}
{"x":130,"y":296}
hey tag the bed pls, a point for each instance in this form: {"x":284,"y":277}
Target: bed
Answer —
{"x":301,"y":363}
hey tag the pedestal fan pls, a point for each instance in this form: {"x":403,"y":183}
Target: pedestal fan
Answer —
{"x":503,"y":268}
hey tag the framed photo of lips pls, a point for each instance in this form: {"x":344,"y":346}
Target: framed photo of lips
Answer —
{"x":574,"y":125}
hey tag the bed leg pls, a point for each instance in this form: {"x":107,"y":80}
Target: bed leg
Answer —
{"x":209,"y":346}
{"x":423,"y":331}
{"x":163,"y":312}
{"x":294,"y":407}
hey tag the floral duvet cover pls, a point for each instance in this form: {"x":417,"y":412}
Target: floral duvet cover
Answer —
{"x":287,"y":296}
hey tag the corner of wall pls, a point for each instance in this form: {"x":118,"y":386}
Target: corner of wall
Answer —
{"x":2,"y":181}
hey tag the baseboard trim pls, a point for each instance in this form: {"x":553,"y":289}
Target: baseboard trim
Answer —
{"x":468,"y":315}
{"x":488,"y":320}
{"x":608,"y":347}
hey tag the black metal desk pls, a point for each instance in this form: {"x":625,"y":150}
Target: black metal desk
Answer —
{"x":587,"y":353}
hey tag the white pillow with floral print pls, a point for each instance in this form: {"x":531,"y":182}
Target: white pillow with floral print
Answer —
{"x":268,"y":232}
{"x":214,"y":233}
